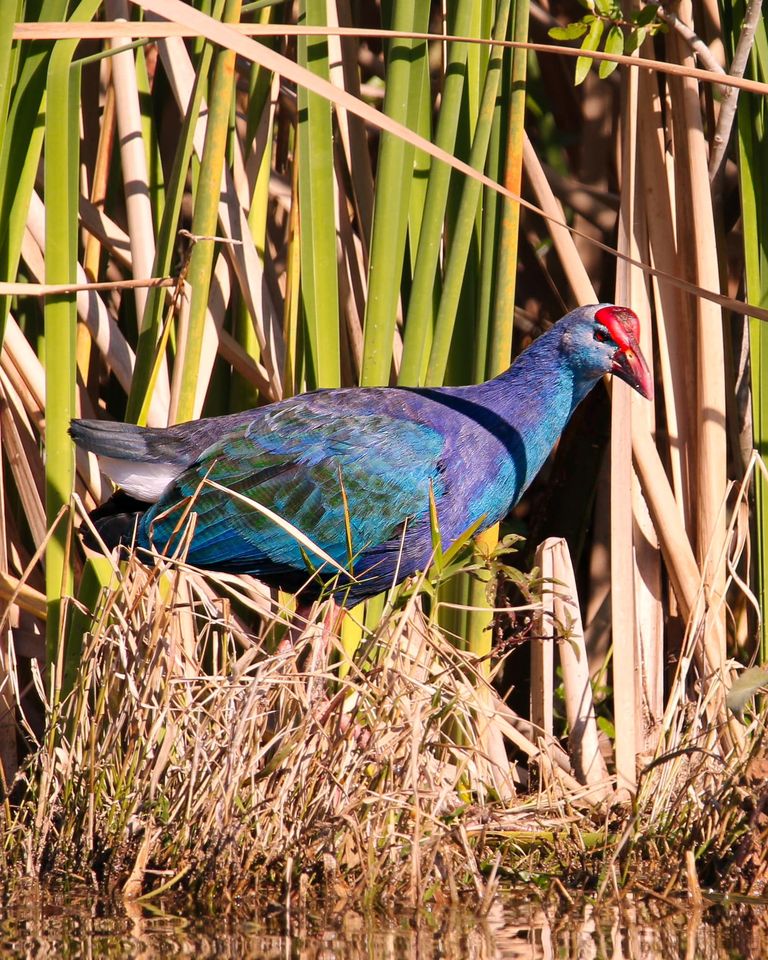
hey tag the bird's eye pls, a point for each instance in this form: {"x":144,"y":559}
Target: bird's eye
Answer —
{"x":601,"y":335}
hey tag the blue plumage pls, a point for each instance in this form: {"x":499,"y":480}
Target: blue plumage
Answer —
{"x":352,"y":469}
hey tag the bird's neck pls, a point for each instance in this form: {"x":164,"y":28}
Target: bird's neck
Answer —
{"x":542,"y":381}
{"x":536,"y":397}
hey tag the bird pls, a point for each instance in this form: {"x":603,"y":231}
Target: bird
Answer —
{"x":336,"y":491}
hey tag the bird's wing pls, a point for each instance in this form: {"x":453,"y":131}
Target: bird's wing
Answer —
{"x":332,"y":472}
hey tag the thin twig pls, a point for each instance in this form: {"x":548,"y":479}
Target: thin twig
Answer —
{"x":8,"y":289}
{"x":694,"y":41}
{"x":731,"y":94}
{"x":87,"y":31}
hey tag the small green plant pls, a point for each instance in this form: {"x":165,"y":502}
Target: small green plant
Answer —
{"x":606,"y":24}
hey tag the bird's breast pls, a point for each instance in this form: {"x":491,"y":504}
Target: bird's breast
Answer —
{"x":485,"y":471}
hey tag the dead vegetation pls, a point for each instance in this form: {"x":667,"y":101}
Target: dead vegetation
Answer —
{"x":194,"y":757}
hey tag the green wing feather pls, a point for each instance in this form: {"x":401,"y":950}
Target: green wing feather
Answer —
{"x":329,"y":472}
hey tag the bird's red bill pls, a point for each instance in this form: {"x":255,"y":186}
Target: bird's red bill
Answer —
{"x":628,"y":361}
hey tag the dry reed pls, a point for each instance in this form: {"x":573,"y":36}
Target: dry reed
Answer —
{"x":195,"y":756}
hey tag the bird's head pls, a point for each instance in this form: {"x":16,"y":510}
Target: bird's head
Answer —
{"x":604,"y":339}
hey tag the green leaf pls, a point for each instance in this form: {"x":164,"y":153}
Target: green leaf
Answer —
{"x":572,"y":32}
{"x":60,"y":314}
{"x":498,"y":279}
{"x":317,"y":219}
{"x":744,"y":687}
{"x":466,"y":217}
{"x":434,"y":527}
{"x":614,"y":43}
{"x":205,"y":219}
{"x":421,"y":305}
{"x":462,"y":540}
{"x":607,"y":727}
{"x":591,"y":42}
{"x":606,"y":8}
{"x":645,"y":16}
{"x":393,"y":193}
{"x":635,"y":39}
{"x":153,"y":336}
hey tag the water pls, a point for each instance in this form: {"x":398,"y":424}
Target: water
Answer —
{"x":516,"y":928}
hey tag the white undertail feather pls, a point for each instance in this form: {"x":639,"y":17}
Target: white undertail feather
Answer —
{"x":145,"y":481}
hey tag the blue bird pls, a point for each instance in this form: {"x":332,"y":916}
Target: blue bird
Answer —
{"x":333,"y":488}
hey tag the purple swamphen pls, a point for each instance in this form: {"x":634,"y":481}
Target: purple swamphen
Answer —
{"x":354,"y":470}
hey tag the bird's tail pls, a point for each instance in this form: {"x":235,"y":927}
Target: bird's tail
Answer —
{"x":125,"y":453}
{"x":141,"y":460}
{"x":126,"y":441}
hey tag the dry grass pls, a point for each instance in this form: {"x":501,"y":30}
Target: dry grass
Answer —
{"x":198,"y":758}
{"x":187,"y":749}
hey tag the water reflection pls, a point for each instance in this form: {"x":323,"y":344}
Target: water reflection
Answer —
{"x":515,"y":929}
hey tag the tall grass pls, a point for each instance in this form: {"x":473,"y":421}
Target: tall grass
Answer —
{"x":331,"y":246}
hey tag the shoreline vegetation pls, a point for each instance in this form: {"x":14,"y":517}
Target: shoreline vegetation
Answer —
{"x":190,"y":759}
{"x":188,"y":227}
